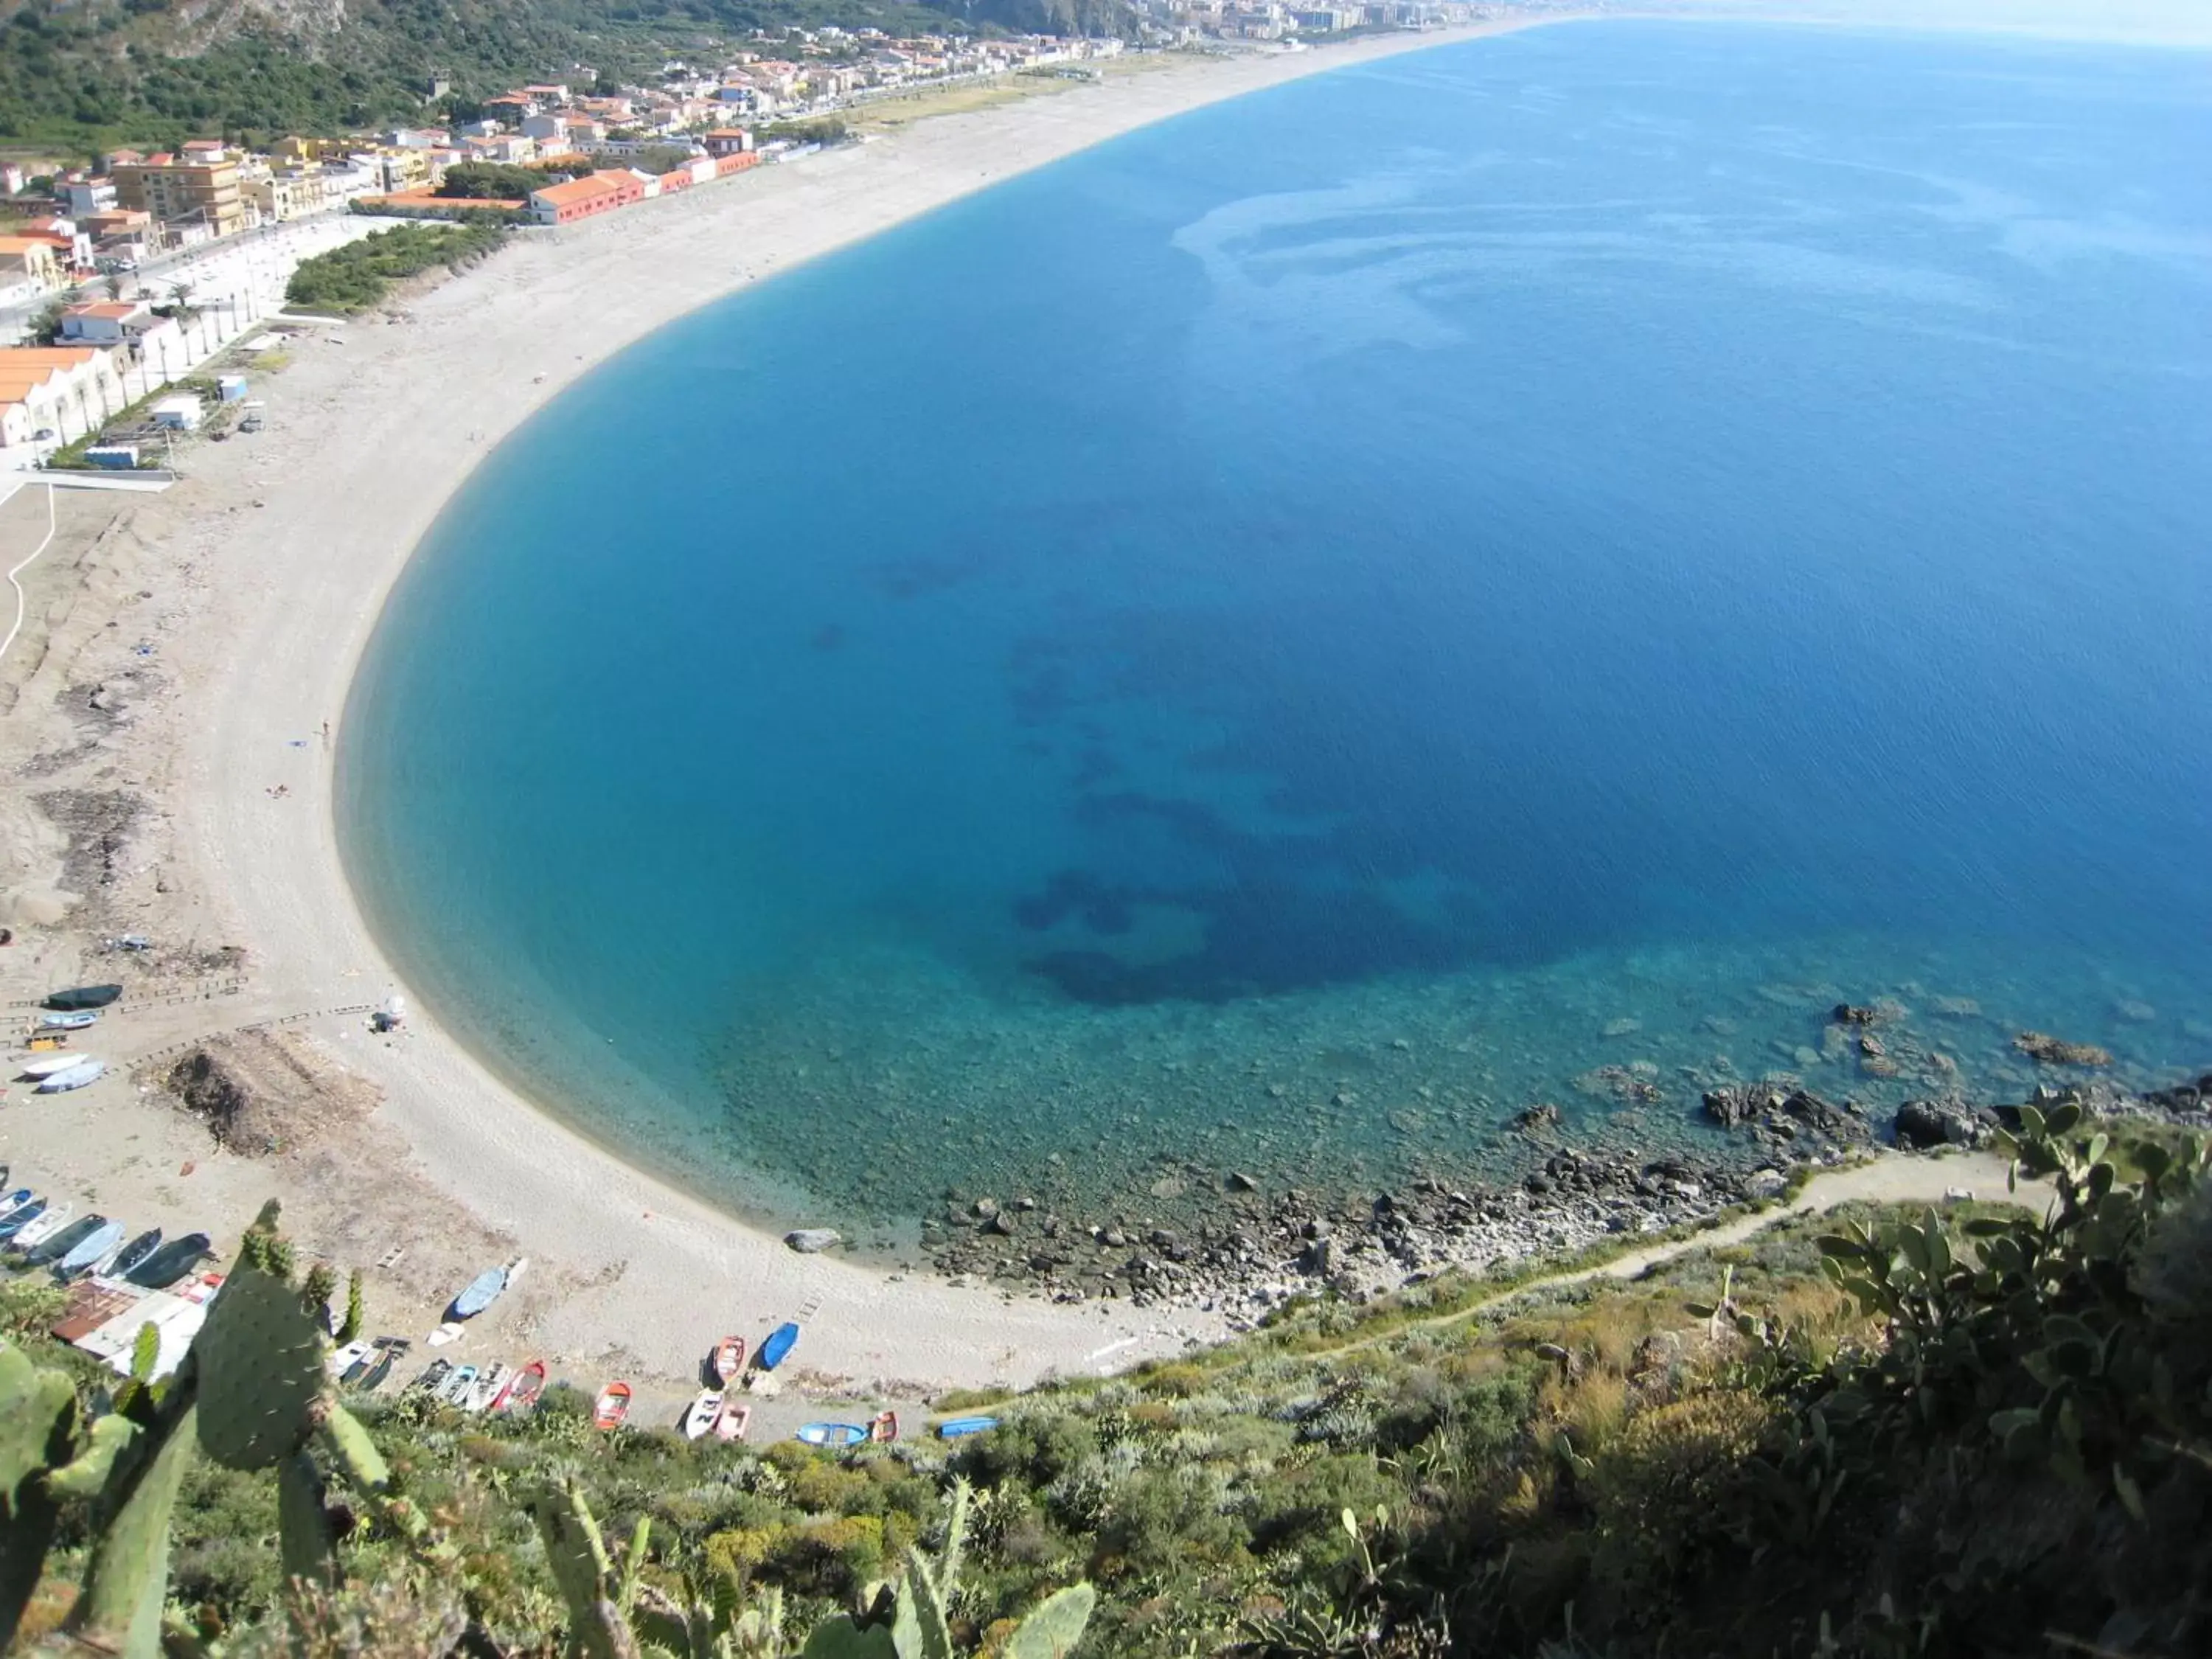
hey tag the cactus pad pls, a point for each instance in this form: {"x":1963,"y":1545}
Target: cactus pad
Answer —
{"x":1054,"y":1626}
{"x":261,"y":1380}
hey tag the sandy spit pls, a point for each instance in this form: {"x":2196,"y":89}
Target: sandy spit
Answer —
{"x":181,"y":680}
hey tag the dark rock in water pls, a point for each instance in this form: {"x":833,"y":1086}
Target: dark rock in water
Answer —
{"x":1113,"y":1238}
{"x":2047,"y":1050}
{"x":1735,"y":1105}
{"x":1000,"y":1224}
{"x":1538,"y":1184}
{"x":811,"y":1240}
{"x":1839,"y":1123}
{"x":1846,"y":1013}
{"x":1924,"y":1123}
{"x":1237,"y":1181}
{"x":984,"y":1208}
{"x":1543,"y":1115}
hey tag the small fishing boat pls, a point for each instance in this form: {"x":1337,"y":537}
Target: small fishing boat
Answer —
{"x":87,"y":1069}
{"x":78,"y":998}
{"x":449,"y":1331}
{"x":100,"y":1242}
{"x":522,"y":1389}
{"x":43,"y":1226}
{"x":171,"y":1262}
{"x":884,"y":1426}
{"x":489,"y":1388}
{"x":76,"y":1022}
{"x":832,"y":1434}
{"x":379,"y":1368}
{"x":133,"y":1254}
{"x":706,"y":1410}
{"x":345,"y":1359}
{"x":458,"y":1385}
{"x":780,"y":1341}
{"x":56,"y":1245}
{"x":611,"y":1406}
{"x":350,"y":1376}
{"x":735,"y":1419}
{"x":11,"y":1202}
{"x":729,"y":1358}
{"x":486,"y":1288}
{"x":433,"y":1378}
{"x":20,"y":1220}
{"x":959,"y":1428}
{"x":45,"y":1065}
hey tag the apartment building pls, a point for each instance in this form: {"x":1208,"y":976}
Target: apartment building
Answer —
{"x":204,"y":191}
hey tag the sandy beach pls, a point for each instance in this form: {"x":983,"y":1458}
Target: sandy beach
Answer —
{"x":171,"y":713}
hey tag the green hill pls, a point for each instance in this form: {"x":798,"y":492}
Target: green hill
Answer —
{"x":1981,"y":1432}
{"x":77,"y":76}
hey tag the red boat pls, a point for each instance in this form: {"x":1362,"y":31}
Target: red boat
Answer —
{"x":613,"y":1405}
{"x":733,"y":1421}
{"x":729,"y":1358}
{"x":522,"y":1389}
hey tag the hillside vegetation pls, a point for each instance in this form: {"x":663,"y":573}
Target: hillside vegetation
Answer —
{"x":78,"y":75}
{"x":1974,"y":1431}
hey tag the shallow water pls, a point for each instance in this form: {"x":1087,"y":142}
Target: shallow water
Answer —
{"x":1522,"y":572}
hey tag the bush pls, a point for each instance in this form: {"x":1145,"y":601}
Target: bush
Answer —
{"x":357,"y":276}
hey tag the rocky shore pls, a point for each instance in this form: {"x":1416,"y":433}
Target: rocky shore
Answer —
{"x":1251,"y":1250}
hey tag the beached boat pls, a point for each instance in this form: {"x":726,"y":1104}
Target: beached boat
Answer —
{"x":134,"y":1253}
{"x":485,"y":1289}
{"x":80,"y":997}
{"x":11,"y":1202}
{"x":433,"y":1378}
{"x":611,"y":1406}
{"x":959,"y":1428}
{"x":51,"y":1247}
{"x":729,"y":1358}
{"x":350,"y":1376}
{"x":43,"y":1226}
{"x":76,"y":1022}
{"x":451,"y":1331}
{"x":380,"y":1368}
{"x":101,"y":1242}
{"x":489,"y":1388}
{"x":884,"y":1426}
{"x":705,"y":1410}
{"x":780,"y":1341}
{"x":522,"y":1389}
{"x":21,"y":1219}
{"x":87,"y":1250}
{"x":457,"y":1387}
{"x":735,"y":1419}
{"x":87,"y":1069}
{"x":832,"y":1434}
{"x":45,"y":1065}
{"x":171,"y":1262}
{"x":345,"y":1359}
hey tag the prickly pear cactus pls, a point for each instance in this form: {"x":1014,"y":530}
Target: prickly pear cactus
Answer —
{"x":577,"y":1554}
{"x":1054,"y":1628}
{"x":127,"y":1579}
{"x":38,"y":1431}
{"x":840,"y":1637}
{"x":261,"y":1380}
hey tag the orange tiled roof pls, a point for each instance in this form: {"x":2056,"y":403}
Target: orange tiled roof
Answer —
{"x":588,"y":188}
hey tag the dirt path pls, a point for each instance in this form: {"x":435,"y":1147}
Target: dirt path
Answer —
{"x":1892,"y":1179}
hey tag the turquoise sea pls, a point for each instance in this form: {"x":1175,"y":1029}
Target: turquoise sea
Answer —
{"x":1523,"y":572}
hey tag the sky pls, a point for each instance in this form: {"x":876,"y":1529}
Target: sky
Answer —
{"x":2185,"y":21}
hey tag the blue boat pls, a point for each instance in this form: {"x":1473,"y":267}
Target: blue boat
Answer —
{"x":780,"y":1341}
{"x":13,"y":1201}
{"x":49,"y":1250}
{"x":21,"y":1217}
{"x":95,"y":1245}
{"x":959,"y":1428}
{"x":832,"y":1434}
{"x":485,"y":1289}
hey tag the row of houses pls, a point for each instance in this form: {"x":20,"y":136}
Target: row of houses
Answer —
{"x":604,"y":190}
{"x":59,"y":393}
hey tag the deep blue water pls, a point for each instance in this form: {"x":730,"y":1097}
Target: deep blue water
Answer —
{"x":1293,"y":634}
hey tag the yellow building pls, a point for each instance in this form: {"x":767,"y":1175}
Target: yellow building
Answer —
{"x":205,"y":192}
{"x":28,"y":268}
{"x":289,"y":195}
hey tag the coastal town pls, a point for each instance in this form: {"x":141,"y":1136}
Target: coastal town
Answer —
{"x":119,"y":278}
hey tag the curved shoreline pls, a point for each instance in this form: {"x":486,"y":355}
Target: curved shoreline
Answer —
{"x":362,"y":463}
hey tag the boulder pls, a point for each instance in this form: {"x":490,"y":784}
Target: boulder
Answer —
{"x":1847,"y":1013}
{"x":1740,"y":1103}
{"x":1763,"y":1184}
{"x":1923,"y":1123}
{"x":1542,"y":1115}
{"x":812,"y":1240}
